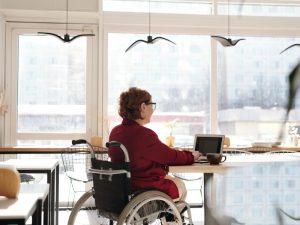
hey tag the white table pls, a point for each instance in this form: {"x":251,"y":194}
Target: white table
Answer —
{"x":50,"y":167}
{"x":28,"y":204}
{"x":42,"y":191}
{"x":231,"y":162}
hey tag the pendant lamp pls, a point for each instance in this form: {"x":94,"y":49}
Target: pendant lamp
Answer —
{"x":227,"y":42}
{"x":150,"y":39}
{"x":291,"y":46}
{"x":66,"y":38}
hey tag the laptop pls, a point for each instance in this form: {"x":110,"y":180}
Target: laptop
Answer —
{"x":208,"y":143}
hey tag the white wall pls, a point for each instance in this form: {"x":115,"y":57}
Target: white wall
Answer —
{"x":52,"y":5}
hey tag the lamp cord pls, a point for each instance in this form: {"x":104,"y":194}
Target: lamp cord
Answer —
{"x":67,"y":16}
{"x":149,"y":19}
{"x":228,"y":19}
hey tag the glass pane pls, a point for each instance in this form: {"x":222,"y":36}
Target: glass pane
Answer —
{"x":44,"y":143}
{"x":51,"y":85}
{"x":260,"y":9}
{"x":253,"y":88}
{"x":163,"y":6}
{"x":177,"y":76}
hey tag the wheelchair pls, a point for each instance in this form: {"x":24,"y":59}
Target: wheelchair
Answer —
{"x":115,"y":203}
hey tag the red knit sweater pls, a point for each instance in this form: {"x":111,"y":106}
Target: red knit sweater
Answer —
{"x":149,"y":157}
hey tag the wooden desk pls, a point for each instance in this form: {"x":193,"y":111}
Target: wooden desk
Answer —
{"x":50,"y":167}
{"x":28,"y":204}
{"x":231,"y":162}
{"x":40,"y":150}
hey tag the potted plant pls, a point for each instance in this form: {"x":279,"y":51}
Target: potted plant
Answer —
{"x":170,"y":140}
{"x":293,"y":134}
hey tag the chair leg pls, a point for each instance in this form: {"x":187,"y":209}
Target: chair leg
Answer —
{"x":74,"y":193}
{"x":73,"y":190}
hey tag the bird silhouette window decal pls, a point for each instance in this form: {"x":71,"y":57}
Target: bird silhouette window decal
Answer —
{"x":227,"y":42}
{"x":291,"y":46}
{"x":66,"y":37}
{"x":150,"y":39}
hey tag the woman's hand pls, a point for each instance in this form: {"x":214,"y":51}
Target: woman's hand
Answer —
{"x":196,"y":154}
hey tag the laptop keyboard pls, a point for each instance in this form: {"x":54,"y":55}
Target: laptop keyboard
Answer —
{"x":201,"y":160}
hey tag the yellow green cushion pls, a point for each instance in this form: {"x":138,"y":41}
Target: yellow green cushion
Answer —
{"x":9,"y":181}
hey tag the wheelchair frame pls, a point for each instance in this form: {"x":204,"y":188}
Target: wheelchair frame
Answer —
{"x":143,"y":208}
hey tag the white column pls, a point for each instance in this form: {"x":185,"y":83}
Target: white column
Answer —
{"x":2,"y":52}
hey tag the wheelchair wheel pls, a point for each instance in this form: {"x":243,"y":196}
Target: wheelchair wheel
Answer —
{"x":150,"y":207}
{"x":84,"y":212}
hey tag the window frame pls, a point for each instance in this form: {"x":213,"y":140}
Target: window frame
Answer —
{"x":13,"y":30}
{"x":124,"y":22}
{"x":2,"y":66}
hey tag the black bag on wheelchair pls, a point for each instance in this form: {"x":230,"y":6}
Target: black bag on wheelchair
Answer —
{"x":111,"y":190}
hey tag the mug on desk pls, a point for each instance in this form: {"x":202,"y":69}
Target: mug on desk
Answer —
{"x":215,"y":158}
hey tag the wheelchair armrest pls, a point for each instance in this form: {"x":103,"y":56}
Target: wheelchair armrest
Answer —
{"x":120,"y":145}
{"x":108,"y":172}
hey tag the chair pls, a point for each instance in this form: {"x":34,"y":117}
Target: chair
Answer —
{"x":115,"y":201}
{"x":76,"y":163}
{"x":281,"y":151}
{"x":233,"y":151}
{"x":190,"y":177}
{"x":226,"y":142}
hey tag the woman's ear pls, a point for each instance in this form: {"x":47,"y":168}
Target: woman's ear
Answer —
{"x":143,"y":106}
{"x":142,"y":110}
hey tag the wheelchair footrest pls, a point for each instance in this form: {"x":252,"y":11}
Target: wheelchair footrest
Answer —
{"x":196,"y":205}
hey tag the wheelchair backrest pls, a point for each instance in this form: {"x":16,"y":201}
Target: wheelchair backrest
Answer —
{"x":112,"y":186}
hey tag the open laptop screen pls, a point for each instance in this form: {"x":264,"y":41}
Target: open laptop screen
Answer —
{"x":209,"y":143}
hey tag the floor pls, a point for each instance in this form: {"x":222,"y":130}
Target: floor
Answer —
{"x":194,"y":196}
{"x":197,"y":215}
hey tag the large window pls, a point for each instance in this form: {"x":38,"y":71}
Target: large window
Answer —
{"x":252,"y":84}
{"x":177,"y":76}
{"x":51,"y":86}
{"x":163,"y":6}
{"x":50,"y":96}
{"x":286,"y":8}
{"x":258,"y":8}
{"x":59,"y":91}
{"x":253,"y":88}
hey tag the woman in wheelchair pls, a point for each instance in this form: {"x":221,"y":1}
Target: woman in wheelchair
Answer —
{"x":149,"y":157}
{"x":134,"y":187}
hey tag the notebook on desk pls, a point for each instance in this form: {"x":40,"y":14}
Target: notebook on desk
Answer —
{"x":208,"y":143}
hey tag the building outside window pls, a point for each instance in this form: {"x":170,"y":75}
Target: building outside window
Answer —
{"x":50,"y":87}
{"x":253,"y":96}
{"x":49,"y":90}
{"x":252,"y":92}
{"x":177,"y":78}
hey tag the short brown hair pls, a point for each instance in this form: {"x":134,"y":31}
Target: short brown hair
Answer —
{"x":130,"y":102}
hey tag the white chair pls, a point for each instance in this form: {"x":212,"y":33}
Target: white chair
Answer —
{"x":76,"y":163}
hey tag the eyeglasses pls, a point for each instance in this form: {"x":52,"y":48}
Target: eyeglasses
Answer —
{"x":153,"y":104}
